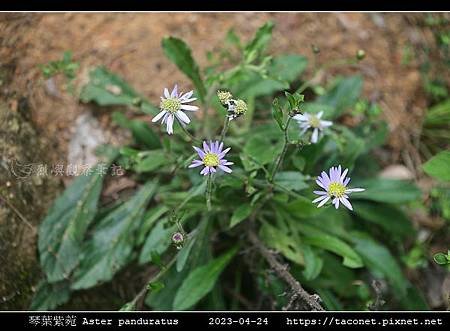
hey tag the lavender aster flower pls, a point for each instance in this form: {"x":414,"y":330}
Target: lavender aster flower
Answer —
{"x":335,"y":188}
{"x":313,"y":121}
{"x":172,"y":106}
{"x":211,"y":157}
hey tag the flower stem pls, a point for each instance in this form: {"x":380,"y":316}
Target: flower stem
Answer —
{"x":208,"y":192}
{"x":190,"y":136}
{"x":280,"y":158}
{"x":224,"y":129}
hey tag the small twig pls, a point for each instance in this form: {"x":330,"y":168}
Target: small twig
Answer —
{"x":312,"y":301}
{"x":19,"y":214}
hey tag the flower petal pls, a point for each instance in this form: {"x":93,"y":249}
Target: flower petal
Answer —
{"x":343,"y":175}
{"x":158,"y":117}
{"x":205,"y":171}
{"x":166,"y":93}
{"x":319,"y":198}
{"x":195,"y":163}
{"x":315,"y":136}
{"x":346,"y":203}
{"x":169,"y":124}
{"x":225,"y":168}
{"x":182,"y":117}
{"x":320,"y":192}
{"x":174,"y":93}
{"x":324,"y":201}
{"x":189,"y":107}
{"x":205,"y":147}
{"x":357,"y":189}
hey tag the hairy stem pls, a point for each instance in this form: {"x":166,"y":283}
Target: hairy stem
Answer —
{"x":311,"y":301}
{"x":190,"y":136}
{"x":208,"y":192}
{"x":138,"y":298}
{"x":280,"y":158}
{"x":224,"y":129}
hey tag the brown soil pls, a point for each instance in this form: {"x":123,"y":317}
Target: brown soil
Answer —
{"x":129,"y":44}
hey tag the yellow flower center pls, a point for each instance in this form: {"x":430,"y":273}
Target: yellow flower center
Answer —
{"x":172,"y":105}
{"x":336,"y":189}
{"x":241,"y":107}
{"x":211,"y":160}
{"x":314,"y":121}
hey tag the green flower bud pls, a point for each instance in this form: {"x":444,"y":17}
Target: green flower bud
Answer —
{"x":360,"y":54}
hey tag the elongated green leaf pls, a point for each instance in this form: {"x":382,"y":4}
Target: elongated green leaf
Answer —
{"x":313,"y":263}
{"x":111,"y":245}
{"x":201,"y":281}
{"x":390,"y":218}
{"x":184,"y":254}
{"x":151,"y":161}
{"x":439,"y":166}
{"x":380,"y":261}
{"x":277,"y":239}
{"x":49,"y":296}
{"x":142,"y":132}
{"x":180,"y":54}
{"x":240,"y":214}
{"x":288,"y":67}
{"x":315,"y":237}
{"x":387,"y":190}
{"x":291,"y":180}
{"x":277,"y":113}
{"x":256,"y":46}
{"x":158,"y":240}
{"x":108,"y":89}
{"x":62,"y":231}
{"x":342,"y":95}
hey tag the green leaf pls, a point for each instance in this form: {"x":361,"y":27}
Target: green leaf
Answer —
{"x":302,"y":208}
{"x":62,"y":231}
{"x":287,"y":245}
{"x":380,"y":261}
{"x":255,"y":86}
{"x":315,"y":237}
{"x":49,"y":296}
{"x":439,"y":166}
{"x":240,"y":214}
{"x":256,"y":46}
{"x":441,"y":258}
{"x":149,"y":219}
{"x":277,"y":113}
{"x":180,"y":54}
{"x":184,"y":254}
{"x":260,"y":149}
{"x":112,"y":242}
{"x":108,"y":89}
{"x":201,"y":281}
{"x":389,"y":217}
{"x":158,"y":240}
{"x":291,"y":180}
{"x":151,"y":161}
{"x":141,"y":131}
{"x":288,"y":67}
{"x":313,"y":263}
{"x":129,"y":306}
{"x":155,"y":286}
{"x":387,"y":190}
{"x":342,"y":95}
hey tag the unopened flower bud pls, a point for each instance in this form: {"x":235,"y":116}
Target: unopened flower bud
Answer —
{"x":177,"y":238}
{"x":315,"y":49}
{"x":360,"y":54}
{"x":224,"y":97}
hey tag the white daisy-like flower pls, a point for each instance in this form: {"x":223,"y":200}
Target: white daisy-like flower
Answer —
{"x":314,"y":122}
{"x":335,"y":188}
{"x":172,"y":106}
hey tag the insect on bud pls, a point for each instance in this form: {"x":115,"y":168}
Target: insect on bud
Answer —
{"x":236,"y":108}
